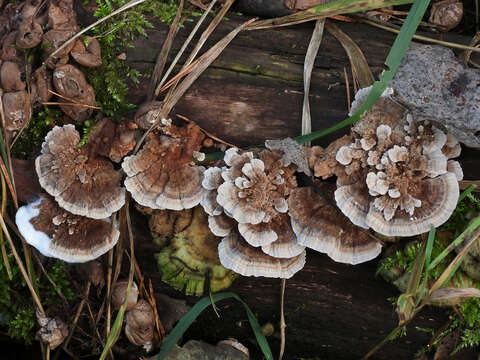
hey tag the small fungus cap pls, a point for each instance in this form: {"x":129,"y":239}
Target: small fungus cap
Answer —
{"x":56,"y":233}
{"x":140,"y":321}
{"x":87,"y":55}
{"x":71,"y":83}
{"x":256,"y":189}
{"x":246,"y":260}
{"x":161,"y":175}
{"x":82,"y":183}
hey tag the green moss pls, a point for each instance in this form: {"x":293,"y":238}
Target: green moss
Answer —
{"x":32,"y":137}
{"x":22,"y":326}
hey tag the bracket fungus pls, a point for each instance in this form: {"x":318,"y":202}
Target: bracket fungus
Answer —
{"x":81,"y":182}
{"x":191,"y":260}
{"x":392,"y":174}
{"x":59,"y":234}
{"x":236,"y":254}
{"x":161,"y":175}
{"x":320,"y":226}
{"x":247,"y":202}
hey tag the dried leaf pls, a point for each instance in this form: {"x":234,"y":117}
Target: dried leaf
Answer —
{"x":357,"y":59}
{"x":452,"y":295}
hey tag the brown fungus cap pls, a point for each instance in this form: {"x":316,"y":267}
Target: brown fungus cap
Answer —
{"x":113,"y":140}
{"x":71,"y":83}
{"x":320,"y":226}
{"x":11,"y":77}
{"x":43,"y":82}
{"x":140,"y":321}
{"x":237,"y":255}
{"x":161,"y":174}
{"x":29,"y":34}
{"x":57,"y":233}
{"x":17,"y":109}
{"x":52,"y":40}
{"x":81,"y":183}
{"x":393,"y":175}
{"x":87,"y":52}
{"x":148,"y":114}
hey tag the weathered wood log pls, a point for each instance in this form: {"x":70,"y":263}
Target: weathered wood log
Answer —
{"x":254,"y":91}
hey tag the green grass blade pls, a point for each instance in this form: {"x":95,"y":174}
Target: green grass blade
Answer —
{"x":466,"y":192}
{"x":470,"y":228}
{"x":392,"y":62}
{"x":201,"y":305}
{"x":428,"y":251}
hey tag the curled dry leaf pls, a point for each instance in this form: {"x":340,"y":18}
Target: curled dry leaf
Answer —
{"x":161,"y":175}
{"x":59,"y":234}
{"x":81,"y":182}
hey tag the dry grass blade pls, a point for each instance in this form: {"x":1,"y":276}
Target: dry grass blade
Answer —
{"x":2,"y":242}
{"x":325,"y":10}
{"x":184,"y":46}
{"x":73,"y":104}
{"x":201,"y":64}
{"x":26,"y":277}
{"x":312,"y":51}
{"x":472,"y":238}
{"x":163,"y":55}
{"x":208,"y":31}
{"x":355,"y":55}
{"x":117,"y":325}
{"x":422,"y":38}
{"x":11,"y":187}
{"x":452,"y":294}
{"x":127,"y":6}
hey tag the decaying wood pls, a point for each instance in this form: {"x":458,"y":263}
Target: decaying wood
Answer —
{"x":253,"y":92}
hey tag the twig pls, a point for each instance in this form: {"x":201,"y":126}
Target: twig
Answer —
{"x":72,"y":104}
{"x":282,"y":322}
{"x":77,"y":316}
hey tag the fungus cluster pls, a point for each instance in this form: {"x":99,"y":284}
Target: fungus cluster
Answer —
{"x":394,"y":174}
{"x":74,"y":221}
{"x":162,"y":174}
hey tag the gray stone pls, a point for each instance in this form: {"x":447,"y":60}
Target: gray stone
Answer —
{"x":435,"y":85}
{"x":198,"y":350}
